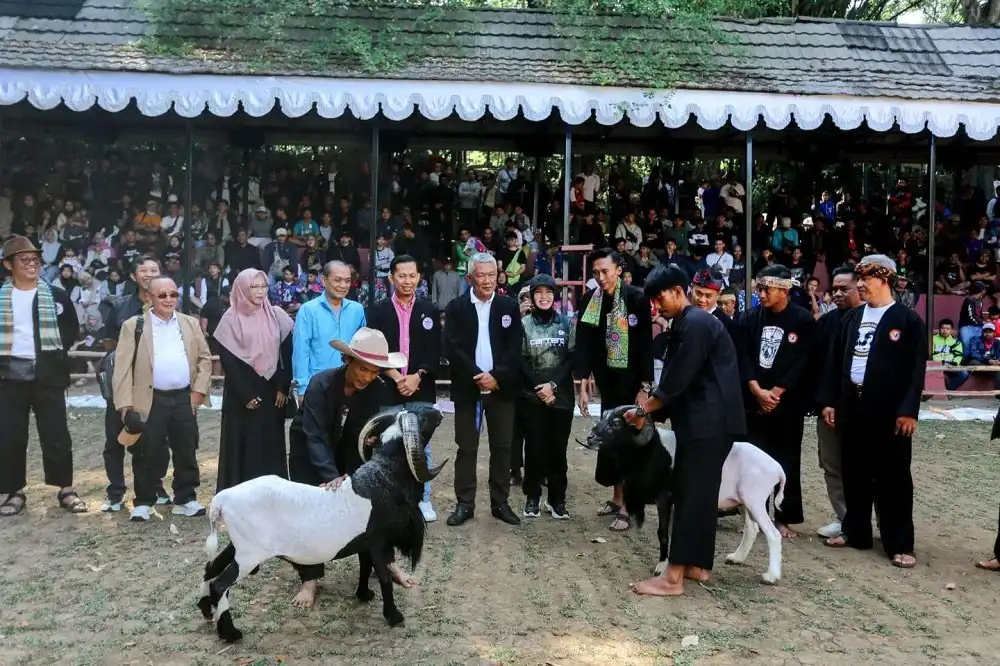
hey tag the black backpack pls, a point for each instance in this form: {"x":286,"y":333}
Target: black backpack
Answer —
{"x":106,"y":366}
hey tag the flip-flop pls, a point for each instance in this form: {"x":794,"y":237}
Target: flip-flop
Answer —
{"x":903,"y":565}
{"x":982,"y":565}
{"x":842,"y":544}
{"x":18,"y":506}
{"x":623,"y":517}
{"x":609,"y":509}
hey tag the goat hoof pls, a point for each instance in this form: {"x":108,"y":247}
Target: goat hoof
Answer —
{"x":227,"y":630}
{"x":660,"y":567}
{"x":732,"y":559}
{"x":365,"y":595}
{"x":769,"y":578}
{"x":206,"y":607}
{"x":255,"y":571}
{"x":394,"y":618}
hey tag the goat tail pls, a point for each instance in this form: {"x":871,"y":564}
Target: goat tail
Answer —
{"x":214,"y":518}
{"x":780,"y":496}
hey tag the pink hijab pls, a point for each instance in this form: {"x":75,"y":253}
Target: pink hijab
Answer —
{"x":253,"y":333}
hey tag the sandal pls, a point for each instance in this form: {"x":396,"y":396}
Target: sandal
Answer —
{"x":609,"y":509}
{"x":835,"y":542}
{"x":13,"y":505}
{"x":70,"y":501}
{"x":986,"y":566}
{"x":621,"y":517}
{"x":897,"y":561}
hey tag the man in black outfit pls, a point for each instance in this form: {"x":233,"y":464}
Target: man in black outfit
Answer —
{"x":143,"y":271}
{"x":699,"y":391}
{"x":323,"y":436}
{"x":777,"y":343}
{"x":614,"y":344}
{"x":483,"y":346}
{"x":872,"y":383}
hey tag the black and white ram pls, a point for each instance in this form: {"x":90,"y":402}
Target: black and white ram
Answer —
{"x":372,"y":514}
{"x":644,"y":459}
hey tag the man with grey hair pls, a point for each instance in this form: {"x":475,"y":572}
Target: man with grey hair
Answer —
{"x":483,"y":345}
{"x":321,"y":321}
{"x":870,"y":392}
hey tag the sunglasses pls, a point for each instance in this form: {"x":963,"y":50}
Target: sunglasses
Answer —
{"x":164,"y":295}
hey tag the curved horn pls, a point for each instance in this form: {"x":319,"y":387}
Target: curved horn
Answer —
{"x":374,"y":428}
{"x":410,"y":425}
{"x":644,"y":435}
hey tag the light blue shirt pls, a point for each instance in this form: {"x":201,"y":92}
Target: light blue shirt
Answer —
{"x":316,"y":325}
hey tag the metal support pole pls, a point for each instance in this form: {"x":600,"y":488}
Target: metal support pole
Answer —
{"x":675,"y":177}
{"x":373,"y":230}
{"x":245,"y":180}
{"x":535,"y":222}
{"x":865,"y":176}
{"x":748,"y":209}
{"x":567,"y":184}
{"x":931,"y":213}
{"x":188,"y":270}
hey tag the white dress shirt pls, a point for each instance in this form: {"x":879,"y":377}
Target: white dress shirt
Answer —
{"x":484,"y":350}
{"x":171,"y":370}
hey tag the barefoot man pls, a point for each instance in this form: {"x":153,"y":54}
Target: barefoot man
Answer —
{"x":699,"y":391}
{"x":323,"y":437}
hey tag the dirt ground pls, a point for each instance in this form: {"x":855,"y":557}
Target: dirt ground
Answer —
{"x":97,"y":589}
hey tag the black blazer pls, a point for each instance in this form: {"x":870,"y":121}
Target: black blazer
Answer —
{"x":52,"y":367}
{"x":591,"y":347}
{"x":425,"y":341}
{"x":461,"y":330}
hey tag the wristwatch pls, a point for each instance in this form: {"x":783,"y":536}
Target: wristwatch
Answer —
{"x":640,"y":412}
{"x":421,"y":373}
{"x":647,"y":387}
{"x":553,"y":385}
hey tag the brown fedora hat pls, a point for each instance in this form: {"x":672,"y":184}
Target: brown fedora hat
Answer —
{"x":17,"y":245}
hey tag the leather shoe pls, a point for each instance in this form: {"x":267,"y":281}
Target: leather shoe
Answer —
{"x":461,"y":514}
{"x":506,"y":514}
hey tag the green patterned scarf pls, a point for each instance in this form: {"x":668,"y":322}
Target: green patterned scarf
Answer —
{"x":616,"y":333}
{"x":48,"y":322}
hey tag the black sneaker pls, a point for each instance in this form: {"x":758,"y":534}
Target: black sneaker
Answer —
{"x":557,"y":511}
{"x":531,"y":509}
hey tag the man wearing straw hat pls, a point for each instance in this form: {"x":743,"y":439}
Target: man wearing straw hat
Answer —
{"x":324,"y":434}
{"x":37,"y":325}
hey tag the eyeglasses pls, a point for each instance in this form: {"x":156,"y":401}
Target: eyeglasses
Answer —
{"x":29,"y":259}
{"x":258,"y":287}
{"x":164,"y":295}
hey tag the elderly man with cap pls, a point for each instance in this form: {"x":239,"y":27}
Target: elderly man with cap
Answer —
{"x":871,"y":388}
{"x":323,"y":438}
{"x":777,"y":341}
{"x":37,"y":326}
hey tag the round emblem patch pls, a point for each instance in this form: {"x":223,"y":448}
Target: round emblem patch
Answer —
{"x":793,"y":338}
{"x":428,"y":324}
{"x":894,"y":335}
{"x":505,"y":321}
{"x":633,"y":320}
{"x":59,"y":309}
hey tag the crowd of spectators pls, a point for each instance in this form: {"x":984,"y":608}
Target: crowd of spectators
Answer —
{"x":93,"y":222}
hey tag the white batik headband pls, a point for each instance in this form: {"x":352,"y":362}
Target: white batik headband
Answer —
{"x":776,"y":282}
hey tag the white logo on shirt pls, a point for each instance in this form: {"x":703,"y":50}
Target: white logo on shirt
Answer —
{"x":866,"y":334}
{"x":428,"y":324}
{"x":505,"y":321}
{"x":770,"y":343}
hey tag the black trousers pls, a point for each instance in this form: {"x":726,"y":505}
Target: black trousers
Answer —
{"x":499,"y":416}
{"x":17,"y":401}
{"x":877,"y":470}
{"x":170,"y":418}
{"x":518,"y":442}
{"x":996,"y":544}
{"x":696,"y":480}
{"x":779,"y":435}
{"x":114,"y":458}
{"x":545,"y":443}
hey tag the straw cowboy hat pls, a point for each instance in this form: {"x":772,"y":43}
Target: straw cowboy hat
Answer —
{"x":369,"y":345}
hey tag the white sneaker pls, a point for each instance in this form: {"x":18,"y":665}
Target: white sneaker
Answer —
{"x":830,"y":531}
{"x":190,"y":510}
{"x":140,"y":514}
{"x":161,"y":501}
{"x":110,"y":506}
{"x":428,"y":511}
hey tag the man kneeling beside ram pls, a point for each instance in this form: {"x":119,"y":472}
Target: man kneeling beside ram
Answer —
{"x":372,"y":514}
{"x":644,"y":458}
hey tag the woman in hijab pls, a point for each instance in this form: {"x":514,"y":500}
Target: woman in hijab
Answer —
{"x":255,"y":349}
{"x":50,"y":254}
{"x":547,"y":398}
{"x":86,"y":295}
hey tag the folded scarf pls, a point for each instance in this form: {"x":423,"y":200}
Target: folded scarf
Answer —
{"x":48,"y":322}
{"x":616,"y":332}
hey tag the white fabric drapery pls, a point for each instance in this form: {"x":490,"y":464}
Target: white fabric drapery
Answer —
{"x":191,"y":95}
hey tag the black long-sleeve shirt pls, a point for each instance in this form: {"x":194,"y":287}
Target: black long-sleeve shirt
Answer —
{"x":776,"y":350}
{"x":971,"y":313}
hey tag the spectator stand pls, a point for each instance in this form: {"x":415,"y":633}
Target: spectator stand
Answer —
{"x":343,"y":144}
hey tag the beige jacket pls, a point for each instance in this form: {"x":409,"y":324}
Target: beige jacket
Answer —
{"x":135,"y":389}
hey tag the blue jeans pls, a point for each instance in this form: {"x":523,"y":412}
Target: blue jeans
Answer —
{"x":427,"y":486}
{"x":967,"y":334}
{"x":954,"y":379}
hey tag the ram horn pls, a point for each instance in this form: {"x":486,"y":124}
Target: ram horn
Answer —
{"x":645,"y":434}
{"x":374,"y":428}
{"x":415,"y":458}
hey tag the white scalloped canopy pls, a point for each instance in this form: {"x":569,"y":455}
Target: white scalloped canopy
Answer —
{"x":190,"y":96}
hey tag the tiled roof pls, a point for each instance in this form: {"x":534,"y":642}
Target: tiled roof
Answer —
{"x":791,"y":56}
